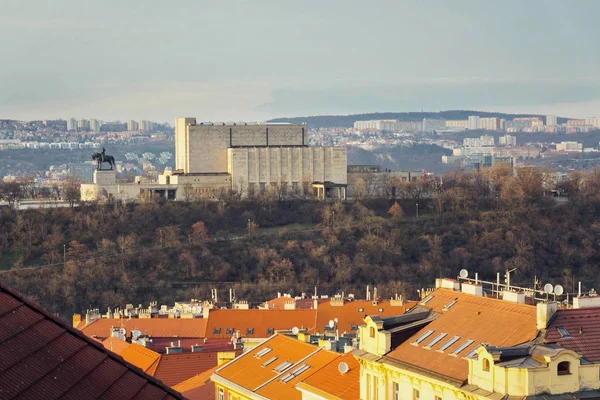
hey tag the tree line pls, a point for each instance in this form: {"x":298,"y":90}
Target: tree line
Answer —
{"x":485,"y":221}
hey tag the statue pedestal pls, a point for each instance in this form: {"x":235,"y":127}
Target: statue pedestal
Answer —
{"x":105,"y":177}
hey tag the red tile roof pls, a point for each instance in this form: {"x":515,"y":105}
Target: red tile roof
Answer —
{"x":198,"y":387}
{"x":250,"y":372}
{"x":44,"y":358}
{"x":154,"y":327}
{"x":583,"y":329}
{"x":330,"y":381}
{"x":470,"y":318}
{"x":176,"y":368}
{"x":256,"y":323}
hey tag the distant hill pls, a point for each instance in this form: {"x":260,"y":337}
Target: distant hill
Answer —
{"x":347,"y":121}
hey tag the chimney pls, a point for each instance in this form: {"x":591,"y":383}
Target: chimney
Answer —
{"x":545,"y":311}
{"x":368,"y":293}
{"x":514,"y":297}
{"x":591,"y":300}
{"x":174,"y":349}
{"x":375,"y":294}
{"x":206,"y":306}
{"x":196,"y":348}
{"x":448,"y":283}
{"x":76,"y":320}
{"x":472,"y":288}
{"x":225,"y":356}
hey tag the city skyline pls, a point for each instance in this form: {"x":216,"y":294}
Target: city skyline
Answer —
{"x":311,"y":58}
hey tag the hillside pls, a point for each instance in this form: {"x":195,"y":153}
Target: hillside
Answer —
{"x":347,"y":121}
{"x":134,"y":253}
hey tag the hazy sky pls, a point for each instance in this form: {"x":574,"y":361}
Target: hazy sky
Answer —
{"x":256,"y":59}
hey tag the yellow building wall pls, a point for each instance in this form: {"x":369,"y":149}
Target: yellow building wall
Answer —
{"x":229,"y":394}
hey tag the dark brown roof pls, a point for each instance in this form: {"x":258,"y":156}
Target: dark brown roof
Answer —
{"x":44,"y":358}
{"x":580,"y":331}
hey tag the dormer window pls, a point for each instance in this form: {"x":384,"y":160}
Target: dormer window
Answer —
{"x":563,"y":368}
{"x":486,"y":365}
{"x":372,"y":332}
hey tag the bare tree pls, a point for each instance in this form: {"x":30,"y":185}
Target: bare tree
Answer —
{"x":11,"y":192}
{"x":72,"y":191}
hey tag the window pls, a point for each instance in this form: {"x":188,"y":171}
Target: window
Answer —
{"x":423,"y":337}
{"x":426,"y":299}
{"x":436,"y":339}
{"x":354,"y":327}
{"x":447,"y":306}
{"x":486,"y":365}
{"x":269,"y":361}
{"x":270,"y":331}
{"x":229,"y":331}
{"x":263,"y":352}
{"x":249,"y":331}
{"x":221,"y":394}
{"x":563,"y":368}
{"x":216,"y":331}
{"x":438,"y":397}
{"x":372,"y":332}
{"x":283,"y":366}
{"x":449,"y":343}
{"x":416,"y":394}
{"x":563,"y":331}
{"x":300,"y":369}
{"x":462,"y":347}
{"x":287,"y":378}
{"x":396,"y":391}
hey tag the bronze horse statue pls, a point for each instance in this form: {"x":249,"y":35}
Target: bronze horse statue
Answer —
{"x":98,"y":158}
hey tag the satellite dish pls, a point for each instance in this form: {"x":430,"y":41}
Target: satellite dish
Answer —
{"x":331,"y":323}
{"x":343,"y":368}
{"x":558,"y":290}
{"x":295,"y":330}
{"x":548,"y":288}
{"x":123,"y":331}
{"x":463,"y":273}
{"x":135,"y":334}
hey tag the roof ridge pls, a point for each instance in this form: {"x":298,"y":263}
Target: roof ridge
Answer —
{"x":98,"y":346}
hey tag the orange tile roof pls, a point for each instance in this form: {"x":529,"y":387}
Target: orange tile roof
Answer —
{"x":255,"y":323}
{"x":328,"y":380}
{"x":198,"y":387}
{"x":480,"y":319}
{"x":278,"y":303}
{"x":173,"y":369}
{"x":354,"y":313}
{"x":250,"y":372}
{"x":141,"y":357}
{"x":155,"y":327}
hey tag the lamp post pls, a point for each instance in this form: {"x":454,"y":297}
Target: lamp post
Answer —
{"x":417,"y":210}
{"x":64,"y":253}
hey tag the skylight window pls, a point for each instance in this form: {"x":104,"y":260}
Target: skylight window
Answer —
{"x":216,"y":331}
{"x":283,"y":366}
{"x":354,"y":328}
{"x":447,"y":306}
{"x":449,"y":343}
{"x":300,"y":370}
{"x":269,"y":361}
{"x":462,"y":347}
{"x":249,"y":331}
{"x":270,"y":331}
{"x":263,"y":352}
{"x":472,"y":354}
{"x":287,"y":378}
{"x":229,"y":331}
{"x":426,"y":299}
{"x":423,"y":337}
{"x":436,"y":339}
{"x":563,"y":331}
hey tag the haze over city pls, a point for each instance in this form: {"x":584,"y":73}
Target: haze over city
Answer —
{"x":257,"y":60}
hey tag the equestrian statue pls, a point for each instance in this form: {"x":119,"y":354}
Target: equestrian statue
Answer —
{"x":101,"y":158}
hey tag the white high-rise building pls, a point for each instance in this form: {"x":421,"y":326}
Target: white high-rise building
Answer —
{"x":132,"y":125}
{"x":489,"y":124}
{"x":507,"y":140}
{"x":473,"y":122}
{"x":71,"y":124}
{"x":551,"y":120}
{"x":83,"y":125}
{"x":94,"y":125}
{"x":145,"y":126}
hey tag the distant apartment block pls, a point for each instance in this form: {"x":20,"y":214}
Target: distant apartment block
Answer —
{"x":432,"y":125}
{"x":490,"y":124}
{"x":71,"y":124}
{"x":387,"y":125}
{"x":473,"y":122}
{"x":551,"y":120}
{"x":132,"y":125}
{"x":83,"y":125}
{"x":482,"y":141}
{"x":507,"y":140}
{"x":457,"y":124}
{"x":569,"y":146}
{"x":94,"y":125}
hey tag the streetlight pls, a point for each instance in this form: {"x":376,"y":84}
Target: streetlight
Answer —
{"x":64,"y":253}
{"x":417,"y":210}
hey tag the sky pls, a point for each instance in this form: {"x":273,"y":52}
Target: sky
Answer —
{"x":236,"y":60}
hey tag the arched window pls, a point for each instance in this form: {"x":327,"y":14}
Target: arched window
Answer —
{"x":563,"y":368}
{"x":372,"y":332}
{"x":486,"y":364}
